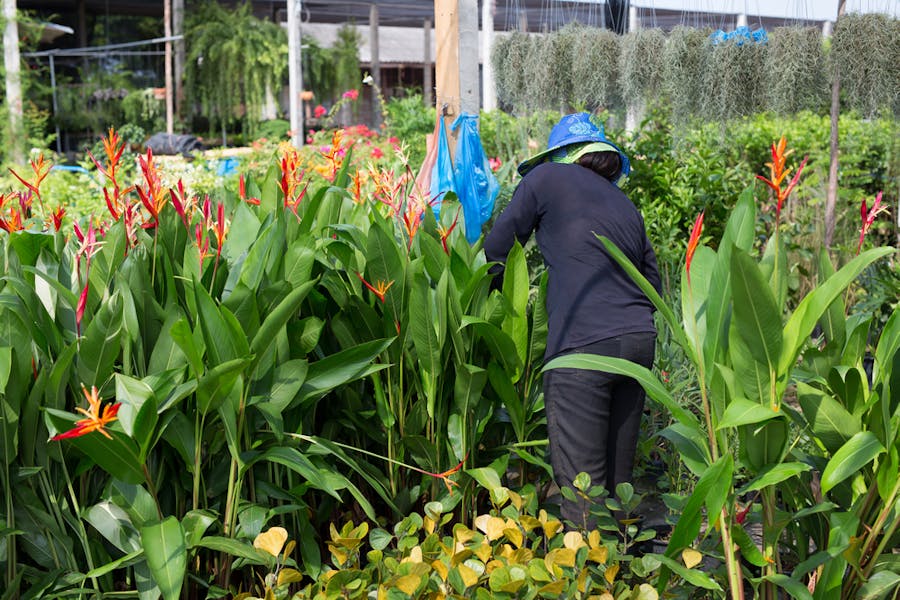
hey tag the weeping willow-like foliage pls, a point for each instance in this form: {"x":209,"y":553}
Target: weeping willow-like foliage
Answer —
{"x":734,"y":82}
{"x":510,"y":57}
{"x":541,"y":82}
{"x":795,"y":70}
{"x":641,"y":64}
{"x":595,"y":69}
{"x":234,"y":60}
{"x":684,"y":61}
{"x":864,"y":54}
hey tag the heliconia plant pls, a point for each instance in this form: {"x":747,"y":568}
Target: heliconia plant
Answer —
{"x":752,"y":355}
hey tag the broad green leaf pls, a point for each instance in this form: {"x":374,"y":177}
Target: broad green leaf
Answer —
{"x":850,"y":458}
{"x":655,"y":390}
{"x":774,"y":475}
{"x":217,"y":383}
{"x":746,"y":412}
{"x":749,"y":550}
{"x":114,"y":524}
{"x":692,"y":576}
{"x":342,"y":367}
{"x":224,"y":339}
{"x":834,"y":319}
{"x":235,"y":548}
{"x":166,"y":554}
{"x":500,"y":344}
{"x":242,"y":233}
{"x":879,"y":585}
{"x":695,"y":293}
{"x":796,"y":589}
{"x":843,"y":527}
{"x":711,"y":490}
{"x":166,"y":353}
{"x":489,"y":480}
{"x":515,"y":289}
{"x":756,"y":313}
{"x":184,"y":339}
{"x":296,"y":461}
{"x":830,"y":422}
{"x":762,"y":445}
{"x":800,"y":325}
{"x":119,"y":563}
{"x":137,"y":413}
{"x":423,"y":321}
{"x":278,"y":318}
{"x":504,"y":388}
{"x":100,"y":346}
{"x":693,"y":450}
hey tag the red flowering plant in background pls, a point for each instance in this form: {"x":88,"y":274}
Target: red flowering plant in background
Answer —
{"x":868,"y":217}
{"x":40,"y":168}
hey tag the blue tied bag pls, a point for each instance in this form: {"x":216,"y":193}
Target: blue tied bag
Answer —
{"x":442,"y":179}
{"x":476,"y":186}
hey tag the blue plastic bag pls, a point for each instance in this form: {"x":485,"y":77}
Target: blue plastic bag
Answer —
{"x":442,"y":180}
{"x":476,"y":186}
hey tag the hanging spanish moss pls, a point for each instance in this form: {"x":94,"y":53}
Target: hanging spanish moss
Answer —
{"x":734,"y":81}
{"x":595,"y":69}
{"x":864,"y":54}
{"x":541,"y":81}
{"x":641,"y":65}
{"x":684,"y":61}
{"x":795,"y":70}
{"x":559,"y":55}
{"x":510,"y":56}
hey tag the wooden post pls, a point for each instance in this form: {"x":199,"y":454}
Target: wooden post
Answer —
{"x":446,"y":31}
{"x":178,"y":29}
{"x":295,"y":73}
{"x":489,"y":91}
{"x":832,"y":191}
{"x":427,"y":83}
{"x":170,"y":88}
{"x":11,"y":63}
{"x":376,"y":66}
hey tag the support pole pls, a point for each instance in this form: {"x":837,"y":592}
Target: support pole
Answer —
{"x":489,"y":91}
{"x":178,"y":30}
{"x":427,"y":82}
{"x":446,"y":31}
{"x":12,"y":64}
{"x":376,"y":66}
{"x":55,"y":104}
{"x":832,"y":190}
{"x":470,"y":95}
{"x":633,"y":111}
{"x":170,"y":88}
{"x":295,"y":74}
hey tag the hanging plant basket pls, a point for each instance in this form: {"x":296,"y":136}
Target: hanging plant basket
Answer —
{"x":684,"y":60}
{"x":559,"y":53}
{"x":795,"y":70}
{"x":541,"y":81}
{"x":510,"y":56}
{"x":864,"y":54}
{"x":641,"y":65}
{"x":595,"y":69}
{"x":734,"y":84}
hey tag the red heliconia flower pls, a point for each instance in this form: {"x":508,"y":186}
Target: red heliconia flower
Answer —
{"x":692,"y":244}
{"x":180,"y":202}
{"x":98,"y":415}
{"x":41,"y":169}
{"x":242,"y":191}
{"x":220,"y":229}
{"x":56,"y":217}
{"x":777,"y":174}
{"x":151,"y":192}
{"x":379,"y":289}
{"x":207,"y":212}
{"x":202,"y":242}
{"x":294,"y":205}
{"x":82,"y":304}
{"x":13,"y":223}
{"x":357,"y":187}
{"x":445,"y":475}
{"x":868,"y":218}
{"x":445,"y":233}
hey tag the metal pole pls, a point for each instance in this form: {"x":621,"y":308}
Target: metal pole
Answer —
{"x":170,"y":87}
{"x":55,"y":105}
{"x":295,"y":72}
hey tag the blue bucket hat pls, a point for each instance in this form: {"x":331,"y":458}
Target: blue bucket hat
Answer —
{"x":576,"y":128}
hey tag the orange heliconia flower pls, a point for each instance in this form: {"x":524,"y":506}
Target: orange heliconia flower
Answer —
{"x":777,"y":173}
{"x":152,"y":194}
{"x":98,"y":415}
{"x":41,"y":169}
{"x":445,"y":233}
{"x":692,"y":244}
{"x":379,"y":289}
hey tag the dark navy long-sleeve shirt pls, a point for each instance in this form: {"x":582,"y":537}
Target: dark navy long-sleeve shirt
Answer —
{"x":589,"y":297}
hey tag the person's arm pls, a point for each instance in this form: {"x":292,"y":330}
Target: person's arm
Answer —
{"x":516,"y":222}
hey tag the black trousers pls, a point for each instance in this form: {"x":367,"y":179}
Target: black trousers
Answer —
{"x":594,"y":417}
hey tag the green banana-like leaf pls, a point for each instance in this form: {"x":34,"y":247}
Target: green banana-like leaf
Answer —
{"x":756,"y":313}
{"x":773,"y":475}
{"x":423,"y":324}
{"x":223,"y":336}
{"x":654,"y":388}
{"x":166,"y":554}
{"x":277,"y":319}
{"x":859,"y":451}
{"x":100,"y":346}
{"x":515,"y":288}
{"x":801,"y":323}
{"x":384,"y":262}
{"x":833,"y":321}
{"x":342,"y":367}
{"x":746,"y":412}
{"x":830,"y":423}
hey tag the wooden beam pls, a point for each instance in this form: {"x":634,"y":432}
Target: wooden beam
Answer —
{"x":446,"y":31}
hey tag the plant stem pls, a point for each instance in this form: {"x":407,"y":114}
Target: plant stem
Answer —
{"x":769,"y":591}
{"x":732,"y":566}
{"x":82,"y":532}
